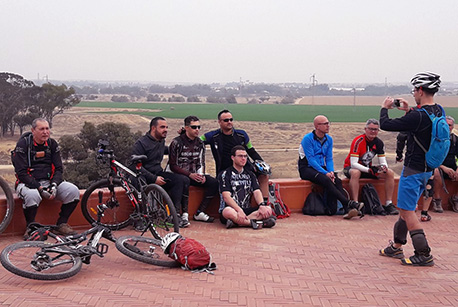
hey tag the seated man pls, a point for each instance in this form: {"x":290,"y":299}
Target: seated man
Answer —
{"x":221,"y":142}
{"x":152,"y":145}
{"x":237,"y":185}
{"x":39,"y":173}
{"x":358,"y":164}
{"x":317,"y":165}
{"x":187,"y":158}
{"x":447,"y":170}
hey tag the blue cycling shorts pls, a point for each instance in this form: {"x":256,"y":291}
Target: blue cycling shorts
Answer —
{"x":410,"y":189}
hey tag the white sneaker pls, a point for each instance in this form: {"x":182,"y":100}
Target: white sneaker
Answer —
{"x":203,"y":217}
{"x":184,"y":220}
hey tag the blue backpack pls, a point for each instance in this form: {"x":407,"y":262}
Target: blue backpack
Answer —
{"x":440,"y":140}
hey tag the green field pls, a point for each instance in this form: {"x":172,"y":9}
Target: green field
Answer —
{"x":248,"y":112}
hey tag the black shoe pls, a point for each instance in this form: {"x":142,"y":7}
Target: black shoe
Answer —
{"x":354,"y":209}
{"x":418,"y":260}
{"x":256,"y":224}
{"x":391,"y":251}
{"x":390,"y":209}
{"x":269,"y":222}
{"x":230,"y":224}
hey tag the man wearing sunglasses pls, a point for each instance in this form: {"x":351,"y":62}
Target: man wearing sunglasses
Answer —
{"x":358,"y":164}
{"x":222,"y":141}
{"x":187,"y":158}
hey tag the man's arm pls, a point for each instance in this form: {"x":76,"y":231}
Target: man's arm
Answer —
{"x":174,"y":152}
{"x":138,"y":149}
{"x":21,"y":165}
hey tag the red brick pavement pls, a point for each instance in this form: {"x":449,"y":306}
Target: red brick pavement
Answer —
{"x":303,"y":261}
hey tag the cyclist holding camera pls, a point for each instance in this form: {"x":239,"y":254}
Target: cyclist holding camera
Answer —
{"x":358,"y":164}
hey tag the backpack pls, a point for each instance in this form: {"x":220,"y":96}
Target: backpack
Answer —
{"x":440,"y":140}
{"x":279,"y":208}
{"x":372,"y":204}
{"x":191,"y":254}
{"x":28,"y":140}
{"x":314,"y":205}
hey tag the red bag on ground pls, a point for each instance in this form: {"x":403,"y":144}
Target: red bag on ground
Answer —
{"x":191,"y":254}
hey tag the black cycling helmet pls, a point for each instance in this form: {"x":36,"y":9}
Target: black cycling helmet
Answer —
{"x":426,"y":80}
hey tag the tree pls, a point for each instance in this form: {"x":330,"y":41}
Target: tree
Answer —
{"x":23,"y":120}
{"x":54,"y":99}
{"x":15,"y":92}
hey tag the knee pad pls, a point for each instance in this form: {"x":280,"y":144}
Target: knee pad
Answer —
{"x":400,"y":232}
{"x":419,"y":242}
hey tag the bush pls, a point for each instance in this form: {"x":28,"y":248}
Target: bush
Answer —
{"x":78,"y":152}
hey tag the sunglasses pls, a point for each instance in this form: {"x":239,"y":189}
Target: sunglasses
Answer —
{"x":226,"y":120}
{"x":195,"y":126}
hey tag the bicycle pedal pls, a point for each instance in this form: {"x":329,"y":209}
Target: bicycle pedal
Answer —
{"x":102,"y":248}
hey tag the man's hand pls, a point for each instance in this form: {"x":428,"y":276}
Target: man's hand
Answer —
{"x":44,"y":193}
{"x":197,"y":177}
{"x":241,"y":217}
{"x":264,"y":211}
{"x":52,"y":189}
{"x":388,"y":104}
{"x":160,"y":180}
{"x":331,"y":176}
{"x":374,"y":170}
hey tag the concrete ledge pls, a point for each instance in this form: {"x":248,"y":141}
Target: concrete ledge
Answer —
{"x":294,"y":191}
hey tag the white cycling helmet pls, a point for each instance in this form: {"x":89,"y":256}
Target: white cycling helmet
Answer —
{"x":427,"y":80}
{"x":262,"y":167}
{"x":169,"y":239}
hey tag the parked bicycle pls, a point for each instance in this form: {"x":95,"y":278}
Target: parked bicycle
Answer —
{"x":6,"y":205}
{"x":149,"y":207}
{"x":63,"y":259}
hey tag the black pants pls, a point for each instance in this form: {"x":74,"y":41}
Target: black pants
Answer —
{"x":333,"y":190}
{"x":211,"y":188}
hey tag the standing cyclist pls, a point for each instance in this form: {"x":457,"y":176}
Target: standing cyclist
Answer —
{"x":416,"y":172}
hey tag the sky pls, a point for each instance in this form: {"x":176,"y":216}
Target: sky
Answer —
{"x":206,"y":41}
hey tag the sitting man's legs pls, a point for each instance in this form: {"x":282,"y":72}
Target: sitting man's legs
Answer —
{"x":177,"y":186}
{"x":211,"y":188}
{"x":254,"y":217}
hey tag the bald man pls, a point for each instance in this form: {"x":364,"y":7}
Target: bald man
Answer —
{"x":316,"y":165}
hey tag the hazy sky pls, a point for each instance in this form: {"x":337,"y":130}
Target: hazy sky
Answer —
{"x":204,"y":41}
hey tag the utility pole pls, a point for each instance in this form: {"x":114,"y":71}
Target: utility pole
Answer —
{"x":314,"y":82}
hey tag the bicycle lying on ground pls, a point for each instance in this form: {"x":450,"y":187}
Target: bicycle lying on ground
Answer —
{"x":63,"y":259}
{"x":149,"y":207}
{"x":6,"y":205}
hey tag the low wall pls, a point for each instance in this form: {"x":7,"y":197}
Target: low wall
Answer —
{"x":294,"y":191}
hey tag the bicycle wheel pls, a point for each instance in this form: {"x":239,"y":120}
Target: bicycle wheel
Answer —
{"x":6,"y":205}
{"x":160,"y":211}
{"x":27,"y":259}
{"x":147,"y":250}
{"x":119,"y":207}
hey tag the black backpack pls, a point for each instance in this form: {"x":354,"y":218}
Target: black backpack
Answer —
{"x":314,"y":205}
{"x":372,"y":204}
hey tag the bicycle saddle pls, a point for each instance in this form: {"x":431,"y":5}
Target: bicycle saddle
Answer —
{"x":137,"y":158}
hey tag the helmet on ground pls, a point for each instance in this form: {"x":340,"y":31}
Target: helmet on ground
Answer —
{"x":169,"y":239}
{"x":427,"y":80}
{"x":262,"y":167}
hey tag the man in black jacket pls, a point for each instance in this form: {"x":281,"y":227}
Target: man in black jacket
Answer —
{"x":152,"y":145}
{"x":39,"y":173}
{"x":222,"y":141}
{"x":416,"y":172}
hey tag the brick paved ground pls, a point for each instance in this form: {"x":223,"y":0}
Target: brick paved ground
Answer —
{"x":306,"y":261}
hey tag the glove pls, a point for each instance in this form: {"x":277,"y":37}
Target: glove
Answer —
{"x":399,"y":158}
{"x":45,"y":193}
{"x":53,"y":190}
{"x":374,"y":170}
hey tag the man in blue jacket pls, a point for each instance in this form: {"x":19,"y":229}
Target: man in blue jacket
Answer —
{"x":316,"y":165}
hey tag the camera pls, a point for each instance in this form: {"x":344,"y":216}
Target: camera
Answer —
{"x":397,"y":103}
